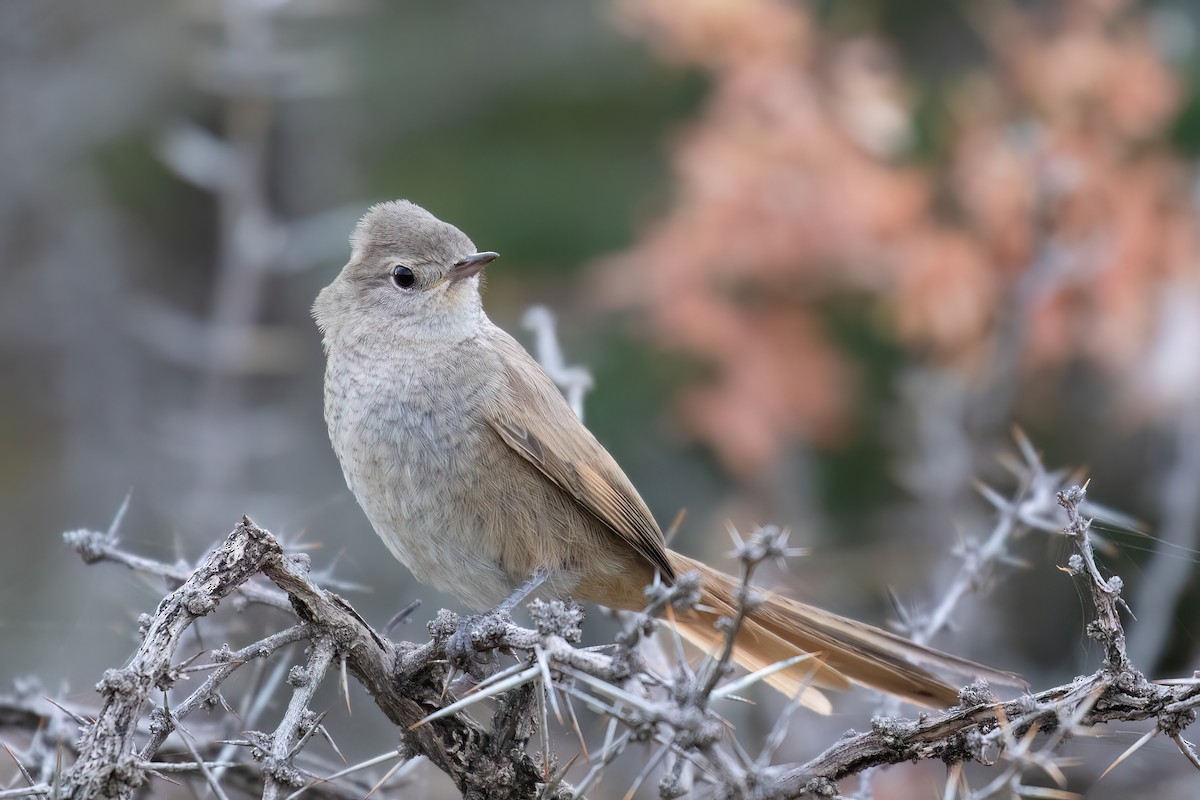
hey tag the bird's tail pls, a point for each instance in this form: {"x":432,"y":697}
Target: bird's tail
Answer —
{"x":845,"y":652}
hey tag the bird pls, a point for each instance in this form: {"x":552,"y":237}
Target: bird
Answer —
{"x":478,"y":476}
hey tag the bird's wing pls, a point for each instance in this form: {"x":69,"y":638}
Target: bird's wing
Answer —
{"x":533,"y":419}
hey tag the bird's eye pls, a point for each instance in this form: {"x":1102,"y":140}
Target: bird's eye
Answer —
{"x":403,"y":277}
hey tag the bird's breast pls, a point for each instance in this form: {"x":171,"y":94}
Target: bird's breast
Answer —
{"x":409,"y":435}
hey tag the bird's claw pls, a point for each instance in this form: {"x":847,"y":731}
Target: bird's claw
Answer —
{"x":472,"y":646}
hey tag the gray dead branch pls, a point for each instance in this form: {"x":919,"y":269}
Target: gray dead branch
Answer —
{"x":126,"y":743}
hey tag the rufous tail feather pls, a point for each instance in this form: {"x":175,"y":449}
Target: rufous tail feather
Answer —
{"x":846,"y":652}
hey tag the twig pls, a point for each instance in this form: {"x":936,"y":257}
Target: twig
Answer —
{"x":574,"y":381}
{"x":765,"y":543}
{"x":1015,"y":515}
{"x":50,"y":734}
{"x":1115,"y":692}
{"x":38,"y":790}
{"x":282,"y":777}
{"x":209,"y":778}
{"x":491,"y":760}
{"x":371,"y":762}
{"x":94,"y":546}
{"x":229,"y":663}
{"x":107,"y":765}
{"x":1106,"y":594}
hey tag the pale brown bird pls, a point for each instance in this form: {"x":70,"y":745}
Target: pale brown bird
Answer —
{"x":478,"y":476}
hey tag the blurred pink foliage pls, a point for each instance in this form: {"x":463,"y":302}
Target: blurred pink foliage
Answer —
{"x":794,"y":186}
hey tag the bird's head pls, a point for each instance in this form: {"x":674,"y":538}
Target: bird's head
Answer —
{"x":408,"y":271}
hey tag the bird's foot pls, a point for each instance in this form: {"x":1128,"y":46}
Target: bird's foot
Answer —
{"x":472,"y":646}
{"x":528,"y":587}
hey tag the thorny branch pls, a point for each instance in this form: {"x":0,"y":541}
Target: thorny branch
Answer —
{"x":983,"y":730}
{"x":299,"y":723}
{"x":404,"y":680}
{"x":413,"y":684}
{"x":1028,"y":508}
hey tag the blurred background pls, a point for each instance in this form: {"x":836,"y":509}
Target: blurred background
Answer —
{"x":819,"y":256}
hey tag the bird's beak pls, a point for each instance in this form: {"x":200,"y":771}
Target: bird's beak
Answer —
{"x":471,"y":265}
